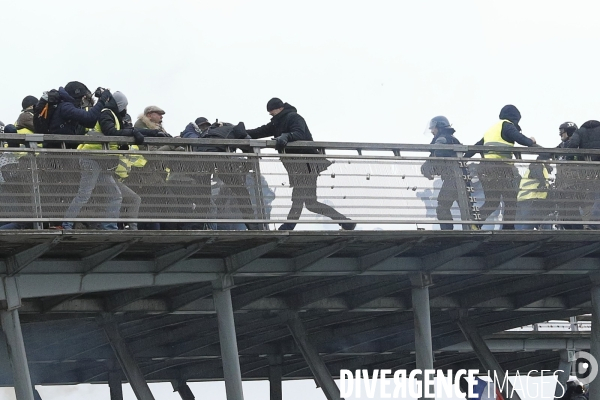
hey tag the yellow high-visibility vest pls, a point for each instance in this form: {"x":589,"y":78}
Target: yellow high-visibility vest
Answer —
{"x":128,"y":161}
{"x":493,"y":137}
{"x":531,"y":189}
{"x":98,"y":130}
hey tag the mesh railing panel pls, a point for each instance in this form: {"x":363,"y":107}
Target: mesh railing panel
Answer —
{"x":253,"y":188}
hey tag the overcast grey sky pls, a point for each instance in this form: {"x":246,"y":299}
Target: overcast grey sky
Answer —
{"x":356,"y":70}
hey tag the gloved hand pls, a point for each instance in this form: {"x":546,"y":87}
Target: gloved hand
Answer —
{"x":138,"y":137}
{"x":282,"y":141}
{"x":98,"y":91}
{"x":105,"y":96}
{"x":149,"y":132}
{"x":427,"y":170}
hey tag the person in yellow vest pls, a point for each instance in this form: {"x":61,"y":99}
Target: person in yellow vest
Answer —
{"x":97,"y":172}
{"x":500,"y":179}
{"x":532,"y":201}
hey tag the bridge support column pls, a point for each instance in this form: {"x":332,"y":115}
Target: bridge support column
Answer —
{"x":115,"y":385}
{"x":422,"y":317}
{"x":563,"y":371}
{"x":485,"y":356}
{"x":227,"y":337}
{"x":314,"y":361}
{"x":275,"y":375}
{"x":126,"y":360}
{"x":183,"y":389}
{"x":11,"y":326}
{"x":595,"y":334}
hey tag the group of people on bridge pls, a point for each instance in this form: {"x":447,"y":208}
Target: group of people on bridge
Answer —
{"x":75,"y":110}
{"x":529,"y":196}
{"x":72,"y":110}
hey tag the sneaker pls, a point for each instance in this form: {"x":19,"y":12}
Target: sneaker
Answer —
{"x":475,"y":227}
{"x":348,"y":226}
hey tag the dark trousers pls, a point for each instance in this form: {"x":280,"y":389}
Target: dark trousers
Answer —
{"x":303,"y":180}
{"x":233,"y":175}
{"x":447,"y":196}
{"x":500,"y":181}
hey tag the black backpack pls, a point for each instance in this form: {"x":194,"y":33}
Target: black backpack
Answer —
{"x":44,"y":110}
{"x":227,"y":131}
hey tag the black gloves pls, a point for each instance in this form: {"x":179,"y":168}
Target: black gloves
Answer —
{"x":105,"y":96}
{"x":138,"y":137}
{"x":148,"y":132}
{"x":154,"y":133}
{"x":427,"y":170}
{"x":98,"y":91}
{"x":282,"y":141}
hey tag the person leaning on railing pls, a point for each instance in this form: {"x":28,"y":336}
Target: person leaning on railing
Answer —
{"x":500,"y":180}
{"x":97,"y":172}
{"x":231,"y":170}
{"x":569,"y":192}
{"x":588,"y":137}
{"x":288,"y":126}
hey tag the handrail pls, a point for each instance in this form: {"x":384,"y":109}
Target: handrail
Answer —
{"x":386,"y":187}
{"x":266,"y":143}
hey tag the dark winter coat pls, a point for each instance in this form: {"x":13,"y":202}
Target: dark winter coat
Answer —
{"x":287,"y":121}
{"x":445,"y":136}
{"x":227,"y":131}
{"x":107,"y":120}
{"x":586,"y":137}
{"x":68,"y":119}
{"x":430,"y":168}
{"x":510,"y":132}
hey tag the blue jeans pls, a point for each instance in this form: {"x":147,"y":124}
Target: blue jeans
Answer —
{"x":91,"y":175}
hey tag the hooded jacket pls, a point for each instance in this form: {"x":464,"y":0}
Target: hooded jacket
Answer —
{"x":511,"y":132}
{"x":68,"y":119}
{"x":586,"y":137}
{"x":287,"y":121}
{"x":107,"y":120}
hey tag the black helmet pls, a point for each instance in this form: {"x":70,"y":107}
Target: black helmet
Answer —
{"x":439,"y":122}
{"x":568,"y":127}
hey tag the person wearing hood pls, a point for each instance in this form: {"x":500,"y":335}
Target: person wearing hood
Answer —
{"x":443,"y":134}
{"x":588,"y":137}
{"x":98,"y":172}
{"x":500,"y":180}
{"x":69,"y":117}
{"x":569,"y":192}
{"x":287,"y":126}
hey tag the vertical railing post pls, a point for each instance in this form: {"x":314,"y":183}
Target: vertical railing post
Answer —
{"x":258,"y":193}
{"x":35,"y":181}
{"x":466,"y":202}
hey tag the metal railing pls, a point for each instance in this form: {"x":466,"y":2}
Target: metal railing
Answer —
{"x":381,"y":185}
